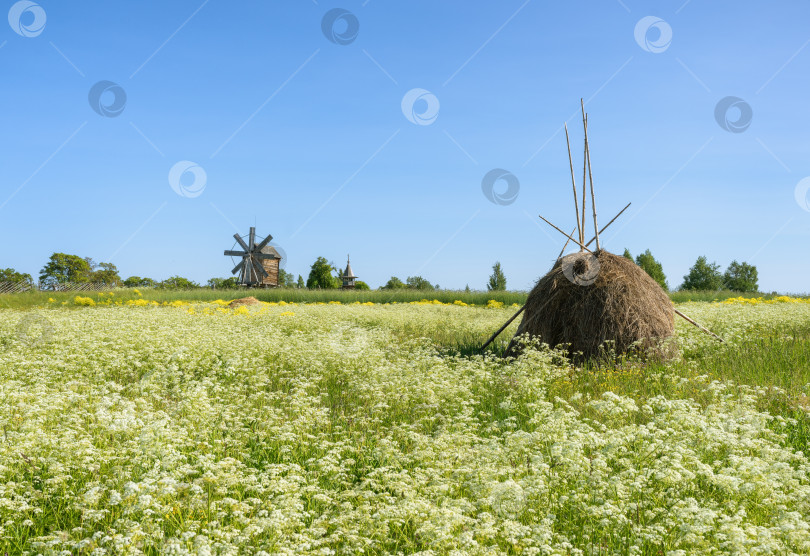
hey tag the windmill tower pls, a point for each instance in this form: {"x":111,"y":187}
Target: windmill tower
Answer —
{"x":259,"y":262}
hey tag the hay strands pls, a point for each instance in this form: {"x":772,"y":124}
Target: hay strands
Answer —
{"x":703,"y":328}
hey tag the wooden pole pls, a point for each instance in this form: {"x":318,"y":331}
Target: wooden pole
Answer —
{"x":513,"y":317}
{"x":502,"y":328}
{"x":584,"y":188}
{"x":609,"y":223}
{"x":590,"y":176}
{"x":566,"y":244}
{"x":706,"y":330}
{"x":574,"y":185}
{"x":566,"y":235}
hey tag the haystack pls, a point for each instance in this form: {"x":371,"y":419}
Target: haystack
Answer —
{"x":592,"y":302}
{"x":244,"y":301}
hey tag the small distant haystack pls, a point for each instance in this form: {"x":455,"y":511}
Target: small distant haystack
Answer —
{"x":244,"y":301}
{"x":586,"y":300}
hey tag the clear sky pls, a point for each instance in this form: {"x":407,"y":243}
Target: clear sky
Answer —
{"x":368,"y":130}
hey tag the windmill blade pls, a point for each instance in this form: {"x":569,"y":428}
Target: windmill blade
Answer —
{"x":238,"y":267}
{"x":252,"y":239}
{"x":264,"y":243}
{"x":235,"y":253}
{"x":264,"y":256}
{"x":241,"y":242}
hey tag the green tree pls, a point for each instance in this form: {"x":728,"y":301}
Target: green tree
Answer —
{"x":741,"y":277}
{"x":703,"y":275}
{"x":467,"y":288}
{"x":62,"y":268}
{"x":300,"y":285}
{"x":652,"y":267}
{"x":394,"y":283}
{"x":11,"y":275}
{"x":138,"y":282}
{"x":285,"y":279}
{"x":497,"y":282}
{"x":107,"y":273}
{"x":178,"y":283}
{"x":321,"y":277}
{"x":360,"y":285}
{"x":419,"y":283}
{"x":231,"y":283}
{"x":627,"y":254}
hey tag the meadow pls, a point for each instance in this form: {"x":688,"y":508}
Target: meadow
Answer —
{"x":292,"y":295}
{"x":135,"y":424}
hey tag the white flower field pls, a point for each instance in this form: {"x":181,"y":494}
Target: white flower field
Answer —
{"x":377,"y":429}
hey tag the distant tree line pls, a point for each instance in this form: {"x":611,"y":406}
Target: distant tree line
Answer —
{"x":63,"y":268}
{"x":703,"y":275}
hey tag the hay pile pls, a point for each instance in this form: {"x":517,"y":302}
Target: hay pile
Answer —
{"x":244,"y":301}
{"x":604,"y":297}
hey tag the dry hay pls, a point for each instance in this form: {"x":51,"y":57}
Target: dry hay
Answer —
{"x":244,"y":301}
{"x":613,"y":300}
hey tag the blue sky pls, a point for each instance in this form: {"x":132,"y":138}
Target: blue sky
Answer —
{"x":307,"y":138}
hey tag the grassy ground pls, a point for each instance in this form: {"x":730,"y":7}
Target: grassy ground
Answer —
{"x":314,"y":428}
{"x":34,"y":298}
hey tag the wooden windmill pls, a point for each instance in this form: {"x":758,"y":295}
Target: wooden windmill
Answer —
{"x":259,"y":262}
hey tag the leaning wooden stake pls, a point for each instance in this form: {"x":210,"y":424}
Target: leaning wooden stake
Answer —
{"x":706,"y":330}
{"x":590,"y":176}
{"x":574,"y":185}
{"x":566,"y":235}
{"x":566,"y":244}
{"x":513,"y":317}
{"x":609,"y":223}
{"x":584,"y":188}
{"x":502,"y":328}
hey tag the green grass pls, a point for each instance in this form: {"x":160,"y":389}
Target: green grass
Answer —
{"x":35,"y":298}
{"x":338,"y":417}
{"x":712,"y":295}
